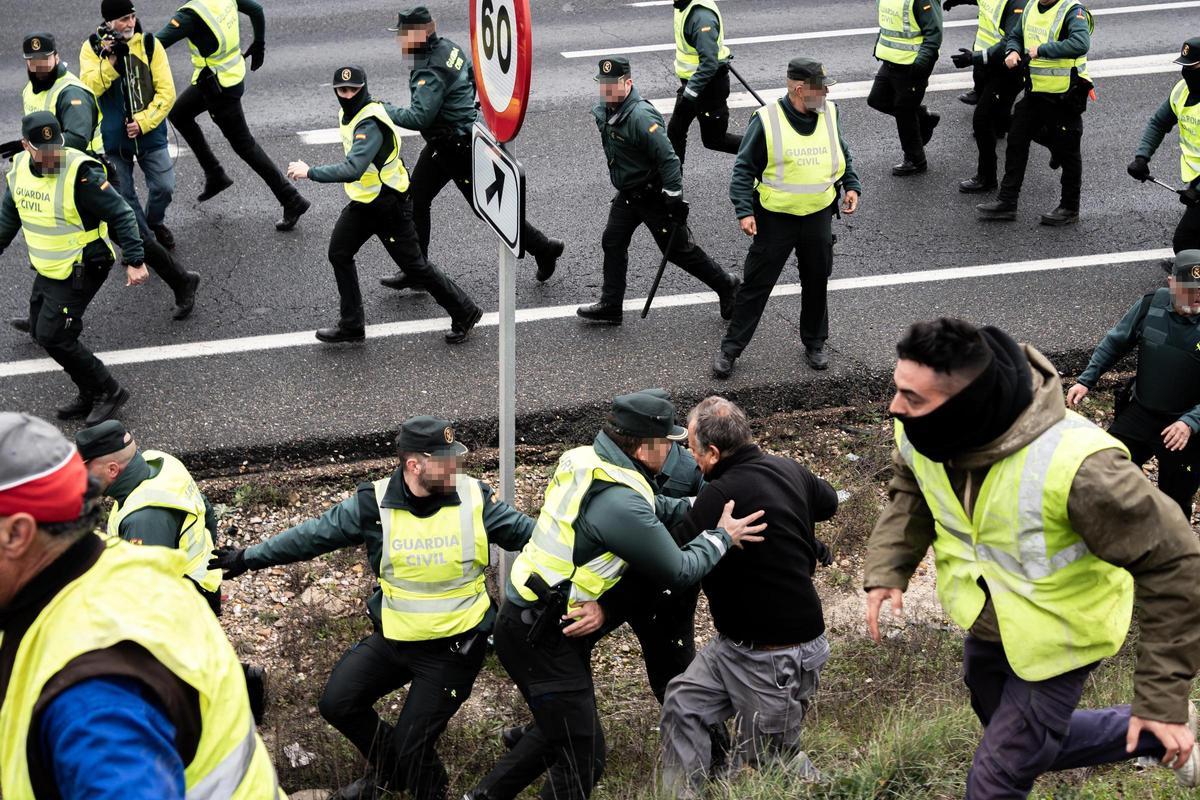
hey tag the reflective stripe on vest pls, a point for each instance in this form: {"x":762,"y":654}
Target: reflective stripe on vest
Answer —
{"x":174,"y":488}
{"x":687,"y":58}
{"x":179,"y":631}
{"x":48,"y":101}
{"x":431,"y":572}
{"x":551,"y":550}
{"x":801,"y":171}
{"x":54,"y":232}
{"x":1042,"y":26}
{"x":1189,"y":132}
{"x":1059,"y":607}
{"x":989,"y":31}
{"x":900,"y":35}
{"x":393,"y":174}
{"x":226,"y":62}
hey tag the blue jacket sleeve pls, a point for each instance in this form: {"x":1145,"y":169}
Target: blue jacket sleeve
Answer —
{"x":105,"y":738}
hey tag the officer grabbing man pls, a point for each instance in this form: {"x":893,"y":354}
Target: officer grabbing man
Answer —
{"x":218,"y":82}
{"x":1158,"y":413}
{"x":649,"y":181}
{"x":910,"y":35}
{"x":63,"y":202}
{"x":702,"y":65}
{"x":377,"y":184}
{"x":442,"y":106}
{"x":1049,"y":46}
{"x":54,"y":88}
{"x":998,"y":86}
{"x":427,"y":529}
{"x":787,"y":202}
{"x":1182,"y":107}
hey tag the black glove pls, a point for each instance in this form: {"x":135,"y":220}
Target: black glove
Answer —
{"x":686,"y":99}
{"x":677,"y":208}
{"x":1139,"y":169}
{"x":10,"y":149}
{"x":230,"y":560}
{"x":963,"y":58}
{"x":120,"y":49}
{"x":1191,"y":195}
{"x":256,"y":54}
{"x":824,"y":555}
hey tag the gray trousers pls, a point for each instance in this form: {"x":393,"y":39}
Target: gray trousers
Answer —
{"x":767,"y":692}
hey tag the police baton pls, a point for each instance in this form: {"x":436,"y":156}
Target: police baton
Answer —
{"x":661,"y":268}
{"x":749,"y":88}
{"x":1168,"y":186}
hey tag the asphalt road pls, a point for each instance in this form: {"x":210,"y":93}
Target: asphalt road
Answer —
{"x":308,"y":399}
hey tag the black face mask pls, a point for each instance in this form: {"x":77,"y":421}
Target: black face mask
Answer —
{"x":982,"y":411}
{"x":45,"y":80}
{"x":1191,"y":76}
{"x":354,"y":104}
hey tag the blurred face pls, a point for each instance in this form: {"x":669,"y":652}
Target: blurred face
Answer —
{"x":42,"y":65}
{"x":47,"y":159}
{"x":614,"y":92}
{"x":124,"y":26}
{"x":920,"y":389}
{"x":347,"y":92}
{"x":806,"y":97}
{"x":706,"y":458}
{"x":1187,"y":301}
{"x":653,"y":454}
{"x":433,"y":474}
{"x":411,"y":39}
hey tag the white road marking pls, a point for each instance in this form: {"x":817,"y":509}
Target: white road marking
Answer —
{"x":871,"y":31}
{"x":334,"y":135}
{"x":949,"y":81}
{"x":279,"y":341}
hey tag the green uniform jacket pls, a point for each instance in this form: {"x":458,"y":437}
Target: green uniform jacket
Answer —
{"x":441,"y":92}
{"x":635,"y":142}
{"x":614,"y":519}
{"x":365,"y":151}
{"x":1124,"y":337}
{"x":158,"y":527}
{"x":929,"y":19}
{"x":77,"y":120}
{"x":752,"y":158}
{"x":1123,"y":519}
{"x":355,"y":521}
{"x":186,"y":24}
{"x":701,"y":30}
{"x":1009,"y":18}
{"x":1159,"y":125}
{"x":1074,"y":41}
{"x":96,"y":200}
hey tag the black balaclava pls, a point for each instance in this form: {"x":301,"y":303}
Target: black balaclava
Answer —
{"x":1191,"y":76}
{"x":982,"y":411}
{"x":43,"y":82}
{"x":354,"y":104}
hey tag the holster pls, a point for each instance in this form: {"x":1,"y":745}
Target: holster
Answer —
{"x":545,"y":617}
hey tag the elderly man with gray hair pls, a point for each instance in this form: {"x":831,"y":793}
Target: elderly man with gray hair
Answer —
{"x":762,"y":668}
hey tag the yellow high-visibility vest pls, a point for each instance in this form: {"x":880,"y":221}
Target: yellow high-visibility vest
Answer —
{"x":1059,"y":607}
{"x":1042,"y":26}
{"x":900,"y":35}
{"x":393,"y":174}
{"x":989,"y":32}
{"x":226,"y":62}
{"x":48,"y":101}
{"x":687,"y":58}
{"x":802,"y":171}
{"x":1189,"y":132}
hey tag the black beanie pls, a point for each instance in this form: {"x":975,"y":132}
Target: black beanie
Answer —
{"x":115,"y":9}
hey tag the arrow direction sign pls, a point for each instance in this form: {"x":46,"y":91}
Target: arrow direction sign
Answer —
{"x":498,"y":188}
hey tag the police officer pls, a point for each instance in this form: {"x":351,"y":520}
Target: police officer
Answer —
{"x":376,"y":181}
{"x":971,"y":96}
{"x":1049,"y":45}
{"x":115,"y":681}
{"x":998,"y":86}
{"x":702,"y":65}
{"x":600,"y":517}
{"x":649,"y":181}
{"x":1182,"y":108}
{"x":218,"y":83}
{"x":787,"y":204}
{"x":442,"y":106}
{"x":52,"y":87}
{"x":62,"y":201}
{"x":427,"y":529}
{"x":1159,"y":410}
{"x":910,"y":35}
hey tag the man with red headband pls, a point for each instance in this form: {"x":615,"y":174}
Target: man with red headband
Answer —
{"x":96,"y":702}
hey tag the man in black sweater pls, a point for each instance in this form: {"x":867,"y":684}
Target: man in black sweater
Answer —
{"x":763,"y":666}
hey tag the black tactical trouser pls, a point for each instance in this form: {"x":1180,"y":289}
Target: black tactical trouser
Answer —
{"x":1054,"y":121}
{"x":1140,"y":430}
{"x":1187,"y":232}
{"x":992,"y":116}
{"x":440,"y":679}
{"x":56,"y":320}
{"x":389,"y":217}
{"x":225,"y":108}
{"x":779,"y":235}
{"x":164,"y":265}
{"x":628,"y":210}
{"x":898,"y":91}
{"x":711,"y":107}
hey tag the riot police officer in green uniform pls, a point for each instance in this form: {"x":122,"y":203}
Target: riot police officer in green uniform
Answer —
{"x":54,"y":88}
{"x":443,"y":108}
{"x":702,"y":66}
{"x":649,"y":181}
{"x":1160,"y":415}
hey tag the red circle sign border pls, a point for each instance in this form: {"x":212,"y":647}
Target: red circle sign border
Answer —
{"x":505,"y":125}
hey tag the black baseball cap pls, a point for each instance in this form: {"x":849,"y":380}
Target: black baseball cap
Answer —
{"x":810,"y":71}
{"x":613,"y":68}
{"x":407,"y":18}
{"x":432,"y":436}
{"x":41,"y":129}
{"x":37,"y":45}
{"x":1187,"y":269}
{"x":349,"y":76}
{"x":1189,"y":55}
{"x":645,"y":415}
{"x":100,"y":440}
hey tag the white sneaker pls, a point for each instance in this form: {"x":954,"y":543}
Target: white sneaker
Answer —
{"x":1189,"y":774}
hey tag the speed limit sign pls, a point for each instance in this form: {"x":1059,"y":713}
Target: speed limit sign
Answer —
{"x":502,"y":51}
